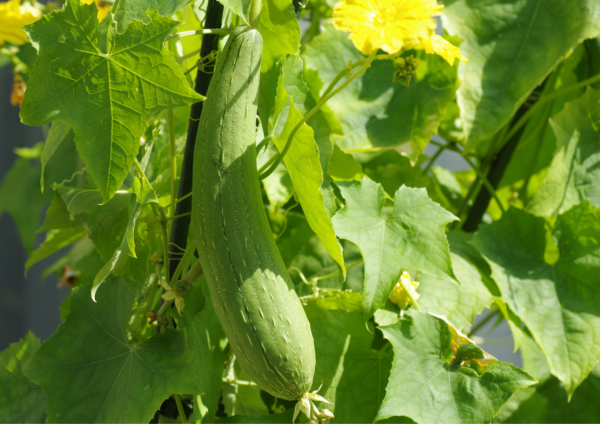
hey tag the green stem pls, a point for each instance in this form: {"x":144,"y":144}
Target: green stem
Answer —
{"x":547,"y":98}
{"x":159,"y":214}
{"x":179,"y":216}
{"x":465,"y":202}
{"x":180,"y":408}
{"x":483,"y":322}
{"x":180,"y":59}
{"x":433,"y":159}
{"x":347,"y":70}
{"x":189,"y":252}
{"x":485,"y":182}
{"x":173,"y":154}
{"x":413,"y":301}
{"x":324,"y":99}
{"x":198,"y":32}
{"x":333,"y":274}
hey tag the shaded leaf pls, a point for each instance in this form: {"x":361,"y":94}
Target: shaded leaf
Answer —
{"x":57,"y":133}
{"x":207,"y":341}
{"x":116,"y":91}
{"x":115,"y":382}
{"x":426,"y":388}
{"x":511,"y":47}
{"x":353,"y":376}
{"x":55,"y":240}
{"x":22,"y":400}
{"x":558,"y":302}
{"x":411,"y":236}
{"x":574,"y":174}
{"x":239,"y":8}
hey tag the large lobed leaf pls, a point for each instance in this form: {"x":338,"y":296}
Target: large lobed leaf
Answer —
{"x":559,"y":302}
{"x":106,"y":97}
{"x":427,"y":389}
{"x":409,"y":237}
{"x":92,"y":374}
{"x":511,"y":46}
{"x":21,"y":400}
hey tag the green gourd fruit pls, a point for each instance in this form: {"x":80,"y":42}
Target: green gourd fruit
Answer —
{"x":249,"y":284}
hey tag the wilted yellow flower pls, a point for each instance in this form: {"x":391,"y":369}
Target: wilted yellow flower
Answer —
{"x":399,"y":296}
{"x":442,"y":47}
{"x":390,"y":25}
{"x":13,"y":16}
{"x":103,"y":7}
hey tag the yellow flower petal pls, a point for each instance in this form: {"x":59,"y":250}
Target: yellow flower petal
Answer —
{"x":179,"y":304}
{"x":442,"y":47}
{"x":390,"y":25}
{"x":165,"y":285}
{"x":103,"y":7}
{"x":399,"y":296}
{"x":13,"y":16}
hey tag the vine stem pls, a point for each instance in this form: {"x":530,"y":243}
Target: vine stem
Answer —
{"x":277,"y":159}
{"x":210,"y":43}
{"x":213,"y":31}
{"x":159,"y":214}
{"x":547,"y":98}
{"x":485,"y":182}
{"x":173,"y":154}
{"x":180,"y":408}
{"x":333,"y":274}
{"x":434,"y":158}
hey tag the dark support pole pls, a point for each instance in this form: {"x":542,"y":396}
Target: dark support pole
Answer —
{"x":210,"y":42}
{"x":498,"y":167}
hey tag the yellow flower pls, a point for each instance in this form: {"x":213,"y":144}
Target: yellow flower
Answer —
{"x":440,"y":46}
{"x":103,"y":7}
{"x":390,"y":25}
{"x":399,"y":296}
{"x":13,"y":16}
{"x":176,"y":292}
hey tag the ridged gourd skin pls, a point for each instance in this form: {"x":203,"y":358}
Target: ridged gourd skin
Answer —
{"x":249,"y":284}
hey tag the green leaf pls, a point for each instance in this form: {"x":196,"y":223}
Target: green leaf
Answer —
{"x":558,"y":302}
{"x":511,"y":48}
{"x":115,"y":92}
{"x":424,"y":387}
{"x":459,"y":303}
{"x":574,"y":174}
{"x":58,"y":132}
{"x":324,"y":124}
{"x":343,"y":167}
{"x":303,"y":164}
{"x":89,"y":201}
{"x":241,"y":398}
{"x":330,"y":300}
{"x":55,"y":240}
{"x":240,"y":8}
{"x":206,"y":339}
{"x":127,"y":10}
{"x":58,"y":216}
{"x":468,"y":351}
{"x":22,"y":400}
{"x":411,"y":236}
{"x":383,"y":114}
{"x":302,"y":250}
{"x":547,"y":402}
{"x":20,"y":196}
{"x":283,"y":418}
{"x":353,"y":376}
{"x":109,"y":381}
{"x":280,"y":31}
